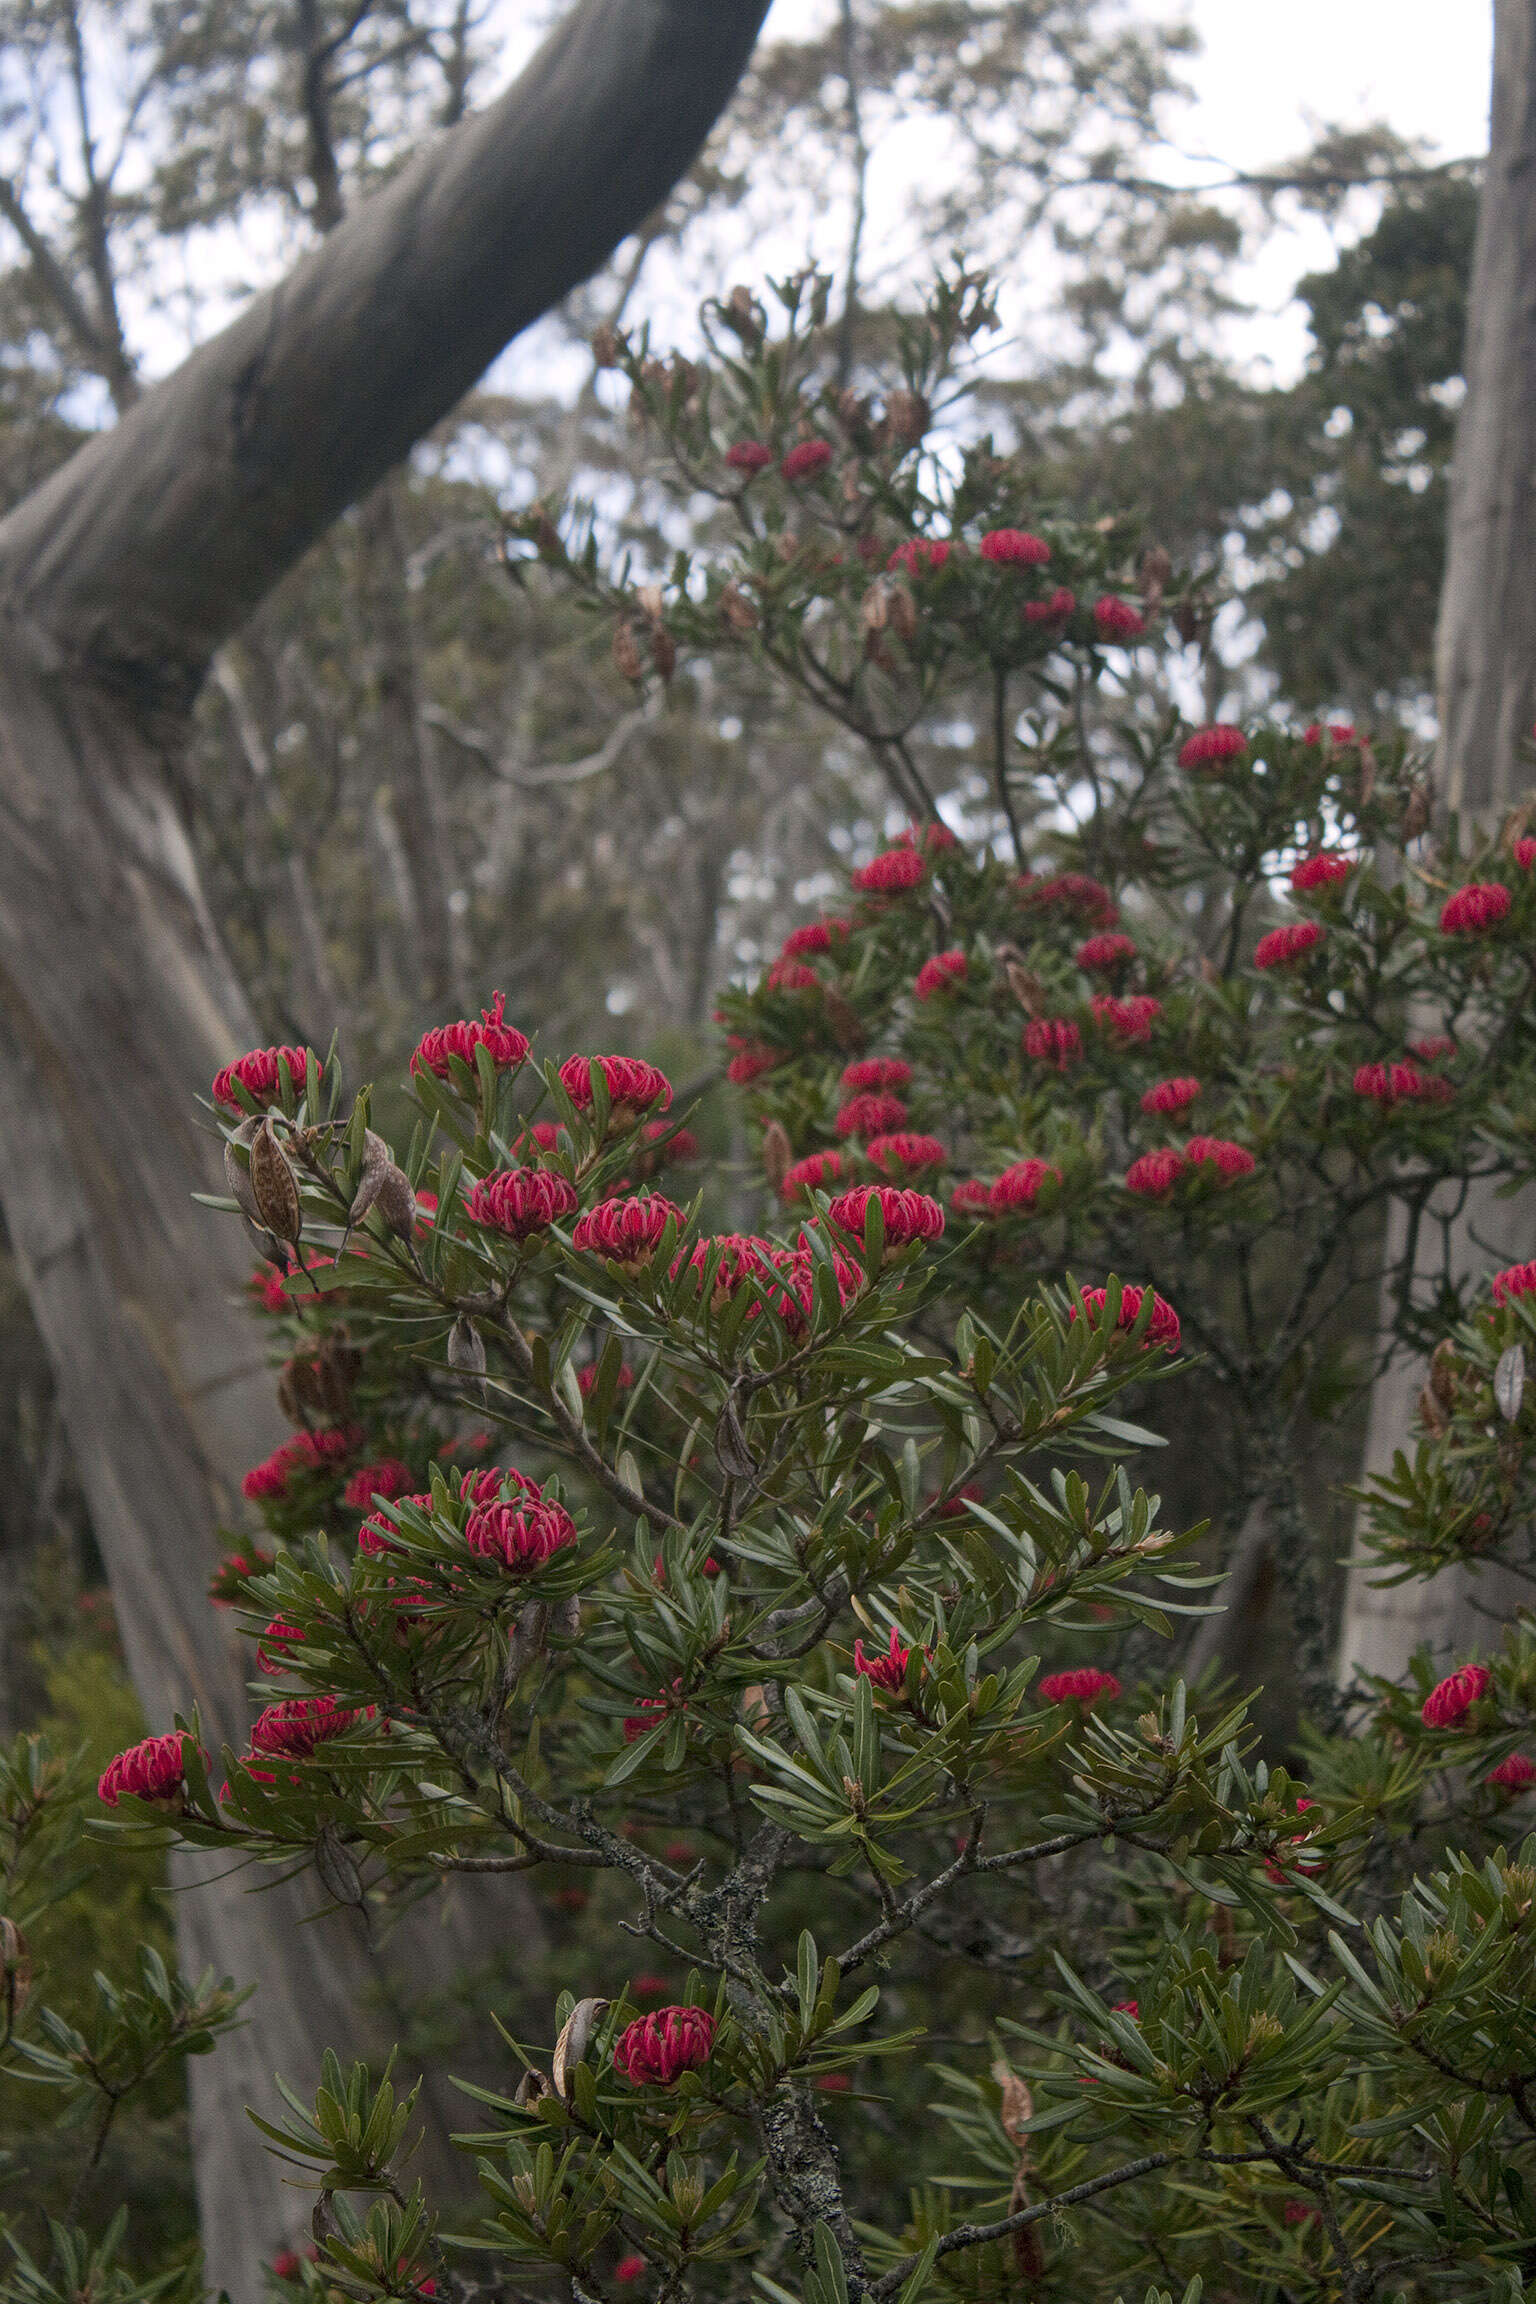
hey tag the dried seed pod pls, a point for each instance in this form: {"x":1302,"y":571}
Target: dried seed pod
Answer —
{"x":737,"y":609}
{"x":1509,"y":1382}
{"x":651,"y":601}
{"x":626,"y":653}
{"x":545,"y":534}
{"x":1442,"y":1372}
{"x":903,"y":613}
{"x":732,"y":1451}
{"x":1416,"y":811}
{"x":529,"y":1638}
{"x":742,"y":313}
{"x":847,"y":1026}
{"x":466,"y":1348}
{"x":1026,"y":987}
{"x":237,"y":1174}
{"x":274,"y":1187}
{"x":874,"y":612}
{"x":907,"y":418}
{"x":663,"y":651}
{"x":566,"y":1618}
{"x":16,"y":1965}
{"x":1156,"y":568}
{"x":1365,"y":785}
{"x":396,"y":1202}
{"x":337,"y":1366}
{"x":339,"y":1876}
{"x":778,"y":1153}
{"x":377,"y":1160}
{"x":575,"y":2036}
{"x":1432,"y":1416}
{"x":530,"y":2088}
{"x":606,"y":346}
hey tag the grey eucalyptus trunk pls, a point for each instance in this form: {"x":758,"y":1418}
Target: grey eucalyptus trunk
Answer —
{"x":119,"y":578}
{"x":1486,"y":680}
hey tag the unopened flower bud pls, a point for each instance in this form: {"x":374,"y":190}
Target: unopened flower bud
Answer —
{"x":743,"y":315}
{"x":274,"y":1187}
{"x":778,"y":1154}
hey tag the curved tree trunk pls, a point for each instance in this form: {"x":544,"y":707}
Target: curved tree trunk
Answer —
{"x":1486,"y":679}
{"x":119,"y":578}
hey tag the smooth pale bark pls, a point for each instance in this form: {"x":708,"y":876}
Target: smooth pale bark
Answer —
{"x":118,"y":580}
{"x":1486,"y":680}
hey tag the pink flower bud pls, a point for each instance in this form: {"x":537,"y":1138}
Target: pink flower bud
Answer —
{"x":259,"y":1076}
{"x":521,"y":1201}
{"x":657,"y":2050}
{"x":907,"y":1216}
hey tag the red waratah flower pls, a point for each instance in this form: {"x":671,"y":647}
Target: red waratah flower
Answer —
{"x":793,"y":1296}
{"x":1164,"y":1325}
{"x":1129,"y":1019}
{"x":490,"y":1485}
{"x":725,"y":1263}
{"x":674,"y":1144}
{"x":877,"y":1072}
{"x":1020,"y":1186}
{"x":1116,"y":619}
{"x":1014,"y":548}
{"x":918,"y":557}
{"x":1210,"y":749}
{"x":1515,"y":1280}
{"x":887,"y":1671}
{"x":1282,"y":946}
{"x":627,"y":1232}
{"x":812,"y":1174}
{"x":293,"y":1728}
{"x":1055,"y":610}
{"x":792,"y":976}
{"x":875,"y":1113}
{"x":1155,"y":1174}
{"x":586,"y":1378}
{"x":388,"y":1479}
{"x":317,"y":1452}
{"x":633,"y":1087}
{"x":890,"y":873}
{"x":1472,"y":911}
{"x":1301,"y":2212}
{"x":657,"y":2049}
{"x":272,"y":1647}
{"x":629,"y":2268}
{"x":908,"y":1216}
{"x":1524,"y":852}
{"x":1170,"y":1095}
{"x":1448,"y":1705}
{"x":1052,"y":1040}
{"x":815,"y":936}
{"x":748,"y":456}
{"x":1432,"y":1050}
{"x":751,"y":1061}
{"x":970,"y":1199}
{"x":258,"y":1075}
{"x":649,"y":1987}
{"x":1085,"y":1686}
{"x":903,"y":1154}
{"x":1072,"y":892}
{"x":1316,"y":733}
{"x":155,"y":1770}
{"x":806,"y":458}
{"x":285,"y":2264}
{"x":1229,"y":1160}
{"x":521,"y":1201}
{"x":1323,"y":871}
{"x":505,"y":1046}
{"x":1513,"y":1774}
{"x":270,"y":1289}
{"x":931,"y":836}
{"x":377,"y":1535}
{"x":937,"y":974}
{"x":521,"y":1536}
{"x":1390,"y":1084}
{"x":1103,"y":955}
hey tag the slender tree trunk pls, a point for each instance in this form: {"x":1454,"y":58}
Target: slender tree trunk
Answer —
{"x":1486,"y":678}
{"x":119,"y":578}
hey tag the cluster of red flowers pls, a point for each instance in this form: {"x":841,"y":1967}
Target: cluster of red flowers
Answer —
{"x":1169,"y":1096}
{"x":1515,"y":1280}
{"x":919,"y":556}
{"x":889,"y":874}
{"x":1283,"y":946}
{"x":904,"y":1154}
{"x":1104,"y":955}
{"x":387,"y":1479}
{"x":887,"y":1670}
{"x":1130,"y":1019}
{"x":873,"y":1113}
{"x":816,"y":936}
{"x":751,"y":1060}
{"x":1448,"y":1705}
{"x":633,"y":1086}
{"x":806,"y":459}
{"x":1524,"y":852}
{"x":627,"y":1231}
{"x":1389,"y":1084}
{"x":155,"y":1770}
{"x":260,"y":1076}
{"x":939,"y":973}
{"x":502,"y":1042}
{"x":1473,"y":910}
{"x":792,"y":976}
{"x":1155,"y":1174}
{"x":1117,"y":620}
{"x":305,"y":1452}
{"x":658,"y":2049}
{"x":877,"y":1072}
{"x":1014,"y":548}
{"x":1326,"y":870}
{"x":1054,"y":610}
{"x":1084,"y":1686}
{"x":1513,"y":1774}
{"x":1163,"y":1327}
{"x":520,"y":1201}
{"x":523,"y":1535}
{"x":1229,"y":1160}
{"x":1053,"y":1040}
{"x":291,"y":1730}
{"x":1071,"y":892}
{"x":1211,"y":749}
{"x":812,"y":1174}
{"x":1020,"y":1186}
{"x":274,"y":1646}
{"x":907,"y":1216}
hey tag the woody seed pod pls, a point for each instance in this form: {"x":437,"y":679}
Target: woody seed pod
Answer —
{"x":663,"y":651}
{"x":274,"y":1187}
{"x":237,"y":1174}
{"x":396,"y":1202}
{"x":737,"y":609}
{"x":16,"y":1964}
{"x":466,"y":1349}
{"x":846,"y":1024}
{"x":1416,"y":812}
{"x":575,"y":2035}
{"x":626,"y":653}
{"x":605,"y":346}
{"x":339,"y":1876}
{"x":903,"y":613}
{"x":778,"y":1153}
{"x":907,"y":417}
{"x":376,"y":1163}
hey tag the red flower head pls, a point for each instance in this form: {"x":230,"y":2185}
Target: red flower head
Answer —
{"x":658,"y":2049}
{"x":1164,"y":1325}
{"x":673,"y":1145}
{"x":1014,"y":548}
{"x":1085,"y":1686}
{"x":1130,"y":1019}
{"x":887,"y":1671}
{"x":270,"y":1289}
{"x":629,"y":2268}
{"x":1105,"y":955}
{"x":1155,"y":1174}
{"x":1052,"y":1040}
{"x":633,"y":1087}
{"x":1326,"y":870}
{"x":1524,"y":852}
{"x":1020,"y":1186}
{"x":1432,"y":1050}
{"x":727,"y":1262}
{"x":521,"y":1536}
{"x":1283,"y":946}
{"x":875,"y":1113}
{"x":378,"y":1535}
{"x":815,"y":936}
{"x":258,"y":1075}
{"x":812,"y":1174}
{"x":937,"y":974}
{"x":1448,"y":1705}
{"x":388,"y":1479}
{"x":918,"y":557}
{"x":627,"y":1232}
{"x":1515,"y":1774}
{"x":272,"y":1649}
{"x":792,"y":976}
{"x":908,"y":1216}
{"x":490,"y":1485}
{"x":506,"y":1047}
{"x":931,"y":836}
{"x":1342,"y":733}
{"x":521,"y":1201}
{"x":1168,"y":1096}
{"x":1515,"y":1280}
{"x":903,"y":1154}
{"x":748,"y":456}
{"x":1390,"y":1084}
{"x":1056,"y":610}
{"x":877,"y":1072}
{"x":1211,"y":749}
{"x":806,"y":459}
{"x":586,"y":1378}
{"x":1229,"y":1160}
{"x":1072,"y":892}
{"x":1115,"y":619}
{"x":293,"y":1728}
{"x":1472,"y":911}
{"x":970,"y":1199}
{"x":751,"y":1061}
{"x":1301,"y":2212}
{"x":316,"y":1452}
{"x":155,"y":1770}
{"x":285,"y":2264}
{"x":890,"y":873}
